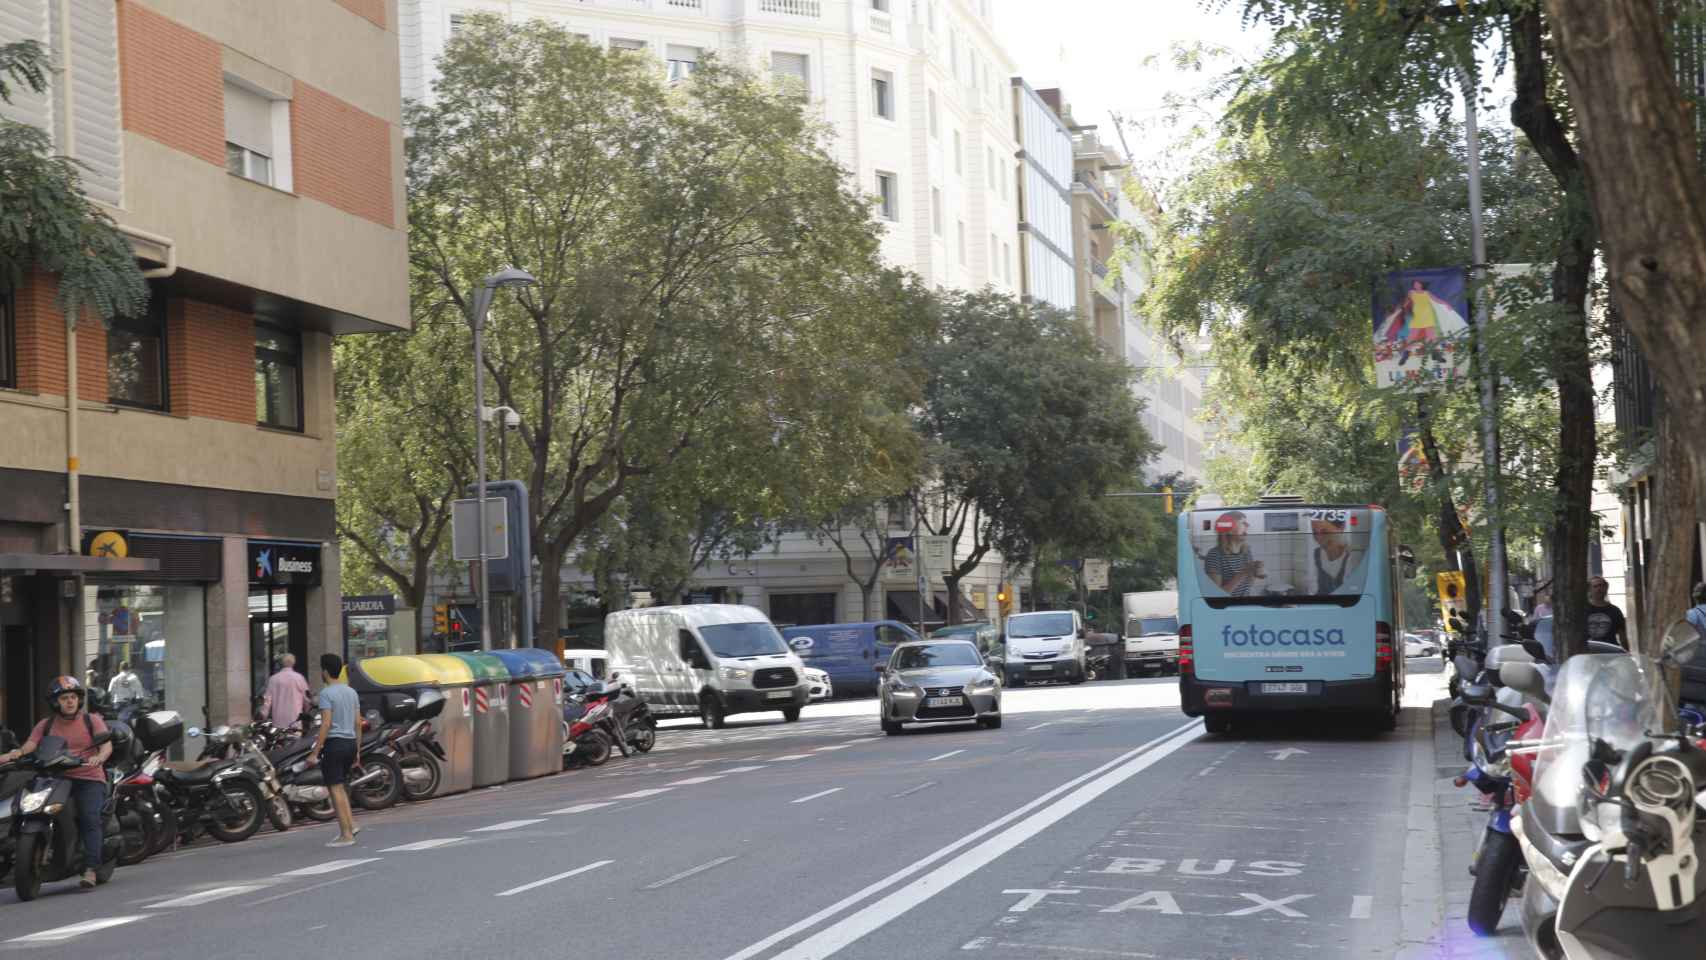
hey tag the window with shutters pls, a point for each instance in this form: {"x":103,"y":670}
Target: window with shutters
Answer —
{"x":257,"y":135}
{"x":790,"y":72}
{"x":889,"y":191}
{"x":882,"y":94}
{"x":681,"y":61}
{"x":80,"y":108}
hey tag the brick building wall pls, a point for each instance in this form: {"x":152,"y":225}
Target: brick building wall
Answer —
{"x":173,"y":83}
{"x":342,"y":154}
{"x":41,"y":345}
{"x":210,"y":351}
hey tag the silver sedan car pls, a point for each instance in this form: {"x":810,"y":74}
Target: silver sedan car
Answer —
{"x":938,"y":681}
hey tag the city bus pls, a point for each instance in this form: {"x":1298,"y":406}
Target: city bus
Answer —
{"x":1286,"y":606}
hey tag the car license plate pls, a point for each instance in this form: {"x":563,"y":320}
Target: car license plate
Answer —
{"x":945,"y":702}
{"x":780,"y":695}
{"x":1042,"y":666}
{"x":1285,"y":688}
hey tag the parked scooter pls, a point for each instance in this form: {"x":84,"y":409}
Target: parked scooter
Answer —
{"x":47,"y":844}
{"x":415,"y":747}
{"x":639,"y":728}
{"x":590,"y":728}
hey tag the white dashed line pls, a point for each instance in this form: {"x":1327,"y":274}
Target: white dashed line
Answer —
{"x":642,"y":794}
{"x":838,"y":746}
{"x":506,"y":825}
{"x":692,"y":780}
{"x":821,"y":793}
{"x":690,"y":871}
{"x":581,"y":808}
{"x":330,"y":866}
{"x":793,"y":756}
{"x":944,"y":756}
{"x":422,"y":845}
{"x":912,"y":790}
{"x":74,"y":930}
{"x":743,"y":769}
{"x":554,"y":878}
{"x":864,"y":740}
{"x":1046,"y":723}
{"x":207,"y":896}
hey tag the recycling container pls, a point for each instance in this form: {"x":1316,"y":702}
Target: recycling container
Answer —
{"x":375,"y":676}
{"x":455,"y":725}
{"x":535,"y":712}
{"x":491,"y":717}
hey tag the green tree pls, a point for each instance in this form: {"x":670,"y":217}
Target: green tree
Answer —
{"x":46,"y":222}
{"x":707,"y":271}
{"x":1026,"y":424}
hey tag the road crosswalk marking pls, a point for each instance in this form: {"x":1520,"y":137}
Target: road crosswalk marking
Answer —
{"x":506,"y":825}
{"x":74,"y":930}
{"x":207,"y":896}
{"x":330,"y":866}
{"x":423,"y":845}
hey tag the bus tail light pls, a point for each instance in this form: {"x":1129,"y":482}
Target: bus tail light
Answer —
{"x":1382,"y":646}
{"x":1187,"y":659}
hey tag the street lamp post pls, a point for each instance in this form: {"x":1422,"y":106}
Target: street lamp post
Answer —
{"x":507,"y":277}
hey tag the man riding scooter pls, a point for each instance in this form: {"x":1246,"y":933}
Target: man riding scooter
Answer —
{"x":79,"y":729}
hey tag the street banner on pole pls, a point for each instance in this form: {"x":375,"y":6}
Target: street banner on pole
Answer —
{"x":900,"y":561}
{"x":1421,"y":334}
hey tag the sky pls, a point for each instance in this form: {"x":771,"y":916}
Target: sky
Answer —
{"x":1100,"y":51}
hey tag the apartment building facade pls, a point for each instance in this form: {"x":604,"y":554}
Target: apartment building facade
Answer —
{"x":916,"y":95}
{"x":252,"y":152}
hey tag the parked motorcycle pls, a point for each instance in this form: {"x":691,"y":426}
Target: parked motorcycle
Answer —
{"x":589,"y":728}
{"x":242,"y":745}
{"x":222,"y":797}
{"x":46,"y":842}
{"x":639,"y":727}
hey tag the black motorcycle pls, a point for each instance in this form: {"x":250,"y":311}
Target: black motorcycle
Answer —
{"x":47,"y":846}
{"x":222,"y":797}
{"x":639,"y":728}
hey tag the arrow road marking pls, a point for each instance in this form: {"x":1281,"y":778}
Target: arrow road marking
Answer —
{"x":1284,"y":752}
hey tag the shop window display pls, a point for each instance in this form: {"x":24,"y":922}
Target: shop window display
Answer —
{"x":159,"y":632}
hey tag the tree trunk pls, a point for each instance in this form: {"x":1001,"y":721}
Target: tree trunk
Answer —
{"x":1453,"y":538}
{"x":550,"y":557}
{"x":1577,"y":450}
{"x":1674,"y":513}
{"x":415,"y":596}
{"x":865,"y":592}
{"x":1647,"y":188}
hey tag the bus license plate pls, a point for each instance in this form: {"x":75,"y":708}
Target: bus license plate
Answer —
{"x":945,"y":702}
{"x":780,"y":694}
{"x":1285,"y":688}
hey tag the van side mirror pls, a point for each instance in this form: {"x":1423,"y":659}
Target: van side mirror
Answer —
{"x":1083,"y":631}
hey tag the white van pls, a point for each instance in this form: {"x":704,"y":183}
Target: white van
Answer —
{"x":1044,"y":645}
{"x":591,"y":662}
{"x":709,"y":659}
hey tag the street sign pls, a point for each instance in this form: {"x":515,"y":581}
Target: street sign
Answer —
{"x":465,"y":536}
{"x":1095,"y":574}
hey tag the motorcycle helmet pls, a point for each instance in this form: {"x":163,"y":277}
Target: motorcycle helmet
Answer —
{"x":66,"y":684}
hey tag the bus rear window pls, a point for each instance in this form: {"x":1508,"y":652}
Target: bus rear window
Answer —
{"x":1293,"y":552}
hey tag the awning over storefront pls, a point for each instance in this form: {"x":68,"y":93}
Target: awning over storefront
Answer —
{"x":965,"y":612}
{"x":67,"y":563}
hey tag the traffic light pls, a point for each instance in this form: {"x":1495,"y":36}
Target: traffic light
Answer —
{"x":441,"y":618}
{"x":1004,"y":599}
{"x":1167,"y":499}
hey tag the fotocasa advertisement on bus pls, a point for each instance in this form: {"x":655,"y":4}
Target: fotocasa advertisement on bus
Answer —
{"x":1289,"y":605}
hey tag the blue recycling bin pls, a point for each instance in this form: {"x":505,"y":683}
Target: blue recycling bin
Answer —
{"x":535,"y":712}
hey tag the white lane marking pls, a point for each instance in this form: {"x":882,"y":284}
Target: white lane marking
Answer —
{"x":642,"y":794}
{"x":1045,"y":723}
{"x":330,"y":866}
{"x":792,"y":756}
{"x":423,"y":845}
{"x":75,"y":930}
{"x":690,"y":871}
{"x":554,"y":878}
{"x":299,"y":891}
{"x":912,"y":790}
{"x":1284,"y":752}
{"x":814,"y":796}
{"x":851,"y":928}
{"x":743,"y":769}
{"x":1362,"y":907}
{"x":944,"y":756}
{"x":506,"y":825}
{"x":977,"y":944}
{"x":692,"y":780}
{"x":207,"y":896}
{"x":581,"y":808}
{"x":946,"y":851}
{"x":837,"y":746}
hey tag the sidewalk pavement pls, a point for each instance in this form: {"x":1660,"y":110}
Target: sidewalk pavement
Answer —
{"x":1457,"y":827}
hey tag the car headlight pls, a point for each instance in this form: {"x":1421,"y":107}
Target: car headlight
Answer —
{"x":983,"y":686}
{"x":733,"y":673}
{"x":901,"y":688}
{"x":33,"y":800}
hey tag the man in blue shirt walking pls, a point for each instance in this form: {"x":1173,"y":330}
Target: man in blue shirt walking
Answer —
{"x":335,"y":748}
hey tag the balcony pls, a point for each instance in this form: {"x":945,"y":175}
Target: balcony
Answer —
{"x":804,"y":9}
{"x":1109,"y":200}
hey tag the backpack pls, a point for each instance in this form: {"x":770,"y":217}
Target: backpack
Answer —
{"x":47,"y":724}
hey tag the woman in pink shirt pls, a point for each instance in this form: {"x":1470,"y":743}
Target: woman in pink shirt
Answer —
{"x":286,"y":695}
{"x":88,"y":783}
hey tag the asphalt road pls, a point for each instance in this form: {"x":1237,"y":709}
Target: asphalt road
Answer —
{"x":1098,"y":823}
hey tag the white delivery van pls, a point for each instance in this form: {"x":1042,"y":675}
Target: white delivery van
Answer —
{"x":1044,"y":645}
{"x":1151,"y":631}
{"x":589,"y":661}
{"x":709,"y":659}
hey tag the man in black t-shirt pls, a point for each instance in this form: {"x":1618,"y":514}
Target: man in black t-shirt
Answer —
{"x":1605,"y":622}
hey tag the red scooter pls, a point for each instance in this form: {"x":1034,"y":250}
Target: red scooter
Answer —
{"x":589,"y":729}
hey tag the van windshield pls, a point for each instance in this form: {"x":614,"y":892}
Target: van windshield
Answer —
{"x":1152,"y":626}
{"x":754,"y":639}
{"x":1039,"y":625}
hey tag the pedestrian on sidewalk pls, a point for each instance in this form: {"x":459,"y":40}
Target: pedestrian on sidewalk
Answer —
{"x":335,"y":747}
{"x":286,"y":695}
{"x":1697,"y":613}
{"x":79,"y":728}
{"x":126,"y":686}
{"x":1606,"y":622}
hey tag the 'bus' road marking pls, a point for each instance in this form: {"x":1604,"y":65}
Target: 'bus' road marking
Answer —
{"x":581,"y":808}
{"x":1032,"y":819}
{"x":330,"y":866}
{"x":642,"y":794}
{"x":944,"y":756}
{"x":419,"y":845}
{"x":512,"y":891}
{"x":821,"y":793}
{"x":506,"y":825}
{"x":75,"y":930}
{"x":207,"y":896}
{"x":743,"y":769}
{"x":912,"y":790}
{"x":690,"y":871}
{"x":692,"y":780}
